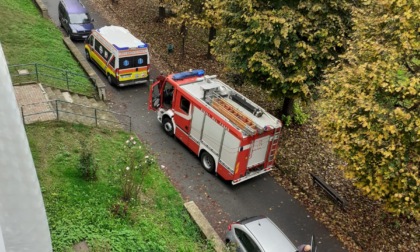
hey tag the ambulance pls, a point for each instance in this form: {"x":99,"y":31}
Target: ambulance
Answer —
{"x":123,"y":58}
{"x":233,"y":137}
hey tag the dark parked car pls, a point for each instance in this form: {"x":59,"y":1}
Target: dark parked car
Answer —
{"x":75,"y":19}
{"x":258,"y":234}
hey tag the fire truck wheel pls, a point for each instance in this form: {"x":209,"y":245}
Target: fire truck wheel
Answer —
{"x":207,"y":162}
{"x":167,"y":126}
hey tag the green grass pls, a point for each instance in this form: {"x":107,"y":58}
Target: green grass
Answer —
{"x":27,"y":37}
{"x":79,"y":210}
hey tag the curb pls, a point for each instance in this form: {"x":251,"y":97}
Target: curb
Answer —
{"x":41,"y":6}
{"x":205,"y":226}
{"x":100,"y":86}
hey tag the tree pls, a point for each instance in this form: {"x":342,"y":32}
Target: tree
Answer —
{"x":371,"y":106}
{"x":282,"y":46}
{"x":199,"y":13}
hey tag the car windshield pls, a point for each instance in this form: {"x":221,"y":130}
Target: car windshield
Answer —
{"x":81,"y":18}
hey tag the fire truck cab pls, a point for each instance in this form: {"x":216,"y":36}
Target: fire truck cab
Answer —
{"x":233,"y":137}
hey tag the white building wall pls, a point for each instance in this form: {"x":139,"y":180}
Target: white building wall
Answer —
{"x":23,"y":220}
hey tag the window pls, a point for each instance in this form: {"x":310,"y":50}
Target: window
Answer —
{"x":98,"y":46}
{"x":79,"y":18}
{"x":102,"y":50}
{"x":168,"y":93}
{"x":246,"y":241}
{"x":126,"y":62}
{"x":185,"y":105}
{"x":140,"y":61}
{"x":112,"y":62}
{"x":134,"y":61}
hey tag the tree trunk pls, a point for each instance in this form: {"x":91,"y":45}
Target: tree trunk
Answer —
{"x":212,"y":35}
{"x":161,"y":10}
{"x":287,"y":109}
{"x":183,"y":32}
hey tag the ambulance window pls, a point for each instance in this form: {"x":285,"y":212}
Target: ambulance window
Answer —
{"x":91,"y":40}
{"x":140,"y":60}
{"x":185,"y":105}
{"x":126,"y":62}
{"x":98,"y":46}
{"x":112,"y":63}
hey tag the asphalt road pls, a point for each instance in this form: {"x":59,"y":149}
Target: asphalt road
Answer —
{"x":220,"y":202}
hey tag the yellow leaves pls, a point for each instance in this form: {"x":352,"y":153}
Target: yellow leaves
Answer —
{"x":275,"y":19}
{"x":284,"y":31}
{"x":398,"y":195}
{"x":387,"y":154}
{"x":401,"y":115}
{"x":363,"y":122}
{"x":316,"y":7}
{"x":391,"y":129}
{"x":277,"y":42}
{"x":412,"y":90}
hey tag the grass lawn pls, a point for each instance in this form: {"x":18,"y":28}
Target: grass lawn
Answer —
{"x":93,"y":211}
{"x":27,"y":37}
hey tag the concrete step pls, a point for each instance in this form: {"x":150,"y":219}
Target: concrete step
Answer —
{"x":98,"y":104}
{"x":81,"y":109}
{"x":80,"y":99}
{"x":58,"y":95}
{"x":49,"y":92}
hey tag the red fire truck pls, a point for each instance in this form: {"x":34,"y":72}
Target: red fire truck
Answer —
{"x":232,"y":136}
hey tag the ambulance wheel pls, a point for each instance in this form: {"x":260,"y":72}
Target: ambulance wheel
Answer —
{"x":108,"y":77}
{"x":168,"y":127}
{"x":87,"y":55}
{"x":207,"y":162}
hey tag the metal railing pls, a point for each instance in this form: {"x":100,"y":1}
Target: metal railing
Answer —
{"x":54,"y":77}
{"x":68,"y":111}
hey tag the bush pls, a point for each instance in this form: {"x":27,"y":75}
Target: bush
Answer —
{"x":299,"y":116}
{"x":132,"y":175}
{"x":87,"y":163}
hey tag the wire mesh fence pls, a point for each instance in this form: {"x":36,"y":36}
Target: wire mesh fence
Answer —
{"x":76,"y":113}
{"x":52,"y":76}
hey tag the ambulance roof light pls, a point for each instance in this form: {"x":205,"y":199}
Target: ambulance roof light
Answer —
{"x":120,"y":48}
{"x":188,"y":74}
{"x":126,"y":47}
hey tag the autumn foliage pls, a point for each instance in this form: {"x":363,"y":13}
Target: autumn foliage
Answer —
{"x":282,"y":46}
{"x":371,"y":104}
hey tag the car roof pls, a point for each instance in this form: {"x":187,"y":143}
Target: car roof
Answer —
{"x":270,"y":237}
{"x":74,"y":6}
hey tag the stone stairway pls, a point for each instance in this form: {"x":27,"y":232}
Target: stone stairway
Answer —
{"x":78,"y":108}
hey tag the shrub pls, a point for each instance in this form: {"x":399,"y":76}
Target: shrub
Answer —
{"x":299,"y":116}
{"x":134,"y":171}
{"x":87,"y":163}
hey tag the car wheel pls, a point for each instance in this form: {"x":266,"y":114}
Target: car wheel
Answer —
{"x":207,"y":162}
{"x":168,"y":127}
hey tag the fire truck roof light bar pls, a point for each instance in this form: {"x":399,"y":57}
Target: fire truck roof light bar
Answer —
{"x":188,"y":74}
